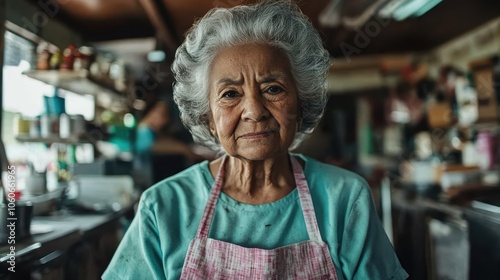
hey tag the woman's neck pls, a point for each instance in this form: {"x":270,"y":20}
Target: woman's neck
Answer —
{"x":257,"y":182}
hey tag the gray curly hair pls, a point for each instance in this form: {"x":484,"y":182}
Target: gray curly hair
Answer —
{"x":277,"y":23}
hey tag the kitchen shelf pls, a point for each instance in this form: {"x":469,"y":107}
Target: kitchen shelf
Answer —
{"x":51,"y":140}
{"x":80,"y":82}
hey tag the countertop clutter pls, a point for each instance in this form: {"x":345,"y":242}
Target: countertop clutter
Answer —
{"x":66,"y":246}
{"x":83,"y":64}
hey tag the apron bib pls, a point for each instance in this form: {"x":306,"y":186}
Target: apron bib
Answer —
{"x":214,"y":259}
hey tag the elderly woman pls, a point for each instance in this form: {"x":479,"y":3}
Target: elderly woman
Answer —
{"x":251,"y":84}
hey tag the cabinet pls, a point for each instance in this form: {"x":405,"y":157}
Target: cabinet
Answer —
{"x":78,"y":247}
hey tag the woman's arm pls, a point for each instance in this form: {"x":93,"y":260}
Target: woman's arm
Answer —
{"x":138,"y":256}
{"x":366,"y":252}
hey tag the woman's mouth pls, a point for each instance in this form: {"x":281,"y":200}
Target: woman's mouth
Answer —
{"x":257,"y":135}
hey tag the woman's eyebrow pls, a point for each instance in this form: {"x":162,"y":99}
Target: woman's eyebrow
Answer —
{"x":228,"y":82}
{"x":265,"y":79}
{"x":273,"y":77}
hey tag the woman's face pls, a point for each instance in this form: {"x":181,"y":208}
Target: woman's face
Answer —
{"x":253,"y":101}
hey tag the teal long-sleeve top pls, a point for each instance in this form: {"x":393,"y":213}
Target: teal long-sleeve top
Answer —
{"x":169,"y":213}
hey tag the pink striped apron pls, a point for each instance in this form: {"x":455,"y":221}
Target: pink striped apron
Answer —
{"x":214,"y":259}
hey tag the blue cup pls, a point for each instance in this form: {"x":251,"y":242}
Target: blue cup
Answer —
{"x":54,"y":105}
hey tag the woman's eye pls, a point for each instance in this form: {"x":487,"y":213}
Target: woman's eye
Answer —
{"x":230,"y":94}
{"x":274,"y":89}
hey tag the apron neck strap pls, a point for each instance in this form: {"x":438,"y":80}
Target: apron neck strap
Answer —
{"x":306,"y":201}
{"x":206,"y":219}
{"x":302,"y":188}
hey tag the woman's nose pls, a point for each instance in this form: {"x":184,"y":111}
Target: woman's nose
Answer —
{"x":254,"y":108}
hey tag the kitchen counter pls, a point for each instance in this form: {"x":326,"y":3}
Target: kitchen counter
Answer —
{"x":63,"y":232}
{"x":62,"y":236}
{"x":443,"y":237}
{"x":88,"y":225}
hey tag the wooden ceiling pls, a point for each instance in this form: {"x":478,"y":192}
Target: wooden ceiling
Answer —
{"x":103,"y":20}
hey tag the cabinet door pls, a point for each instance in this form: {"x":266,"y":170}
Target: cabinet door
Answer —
{"x":49,"y":267}
{"x":484,"y":233}
{"x":448,"y":249}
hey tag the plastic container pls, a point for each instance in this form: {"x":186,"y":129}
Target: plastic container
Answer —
{"x":21,"y":125}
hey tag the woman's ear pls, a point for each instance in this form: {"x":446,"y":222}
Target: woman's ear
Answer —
{"x":213,"y":132}
{"x":211,"y":126}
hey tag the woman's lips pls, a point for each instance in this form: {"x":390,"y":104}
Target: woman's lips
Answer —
{"x":257,"y":135}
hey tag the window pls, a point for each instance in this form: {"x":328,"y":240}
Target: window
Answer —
{"x":25,"y":96}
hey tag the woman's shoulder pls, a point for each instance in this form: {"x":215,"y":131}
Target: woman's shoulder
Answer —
{"x":325,"y":171}
{"x":330,"y":178}
{"x":190,"y":182}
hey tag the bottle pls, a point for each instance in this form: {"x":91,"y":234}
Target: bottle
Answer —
{"x":64,"y":126}
{"x":52,"y":176}
{"x":49,"y":126}
{"x":43,"y":57}
{"x":69,"y":54}
{"x":55,"y":60}
{"x":83,"y":59}
{"x":485,"y":149}
{"x":63,"y":174}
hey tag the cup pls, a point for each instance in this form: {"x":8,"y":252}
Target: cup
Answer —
{"x":15,"y":221}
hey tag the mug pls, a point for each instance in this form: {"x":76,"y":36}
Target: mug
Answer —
{"x":15,"y":221}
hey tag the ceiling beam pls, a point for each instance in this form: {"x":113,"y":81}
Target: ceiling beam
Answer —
{"x":160,"y":22}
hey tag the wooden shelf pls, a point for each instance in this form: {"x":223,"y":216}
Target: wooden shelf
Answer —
{"x":50,"y":140}
{"x":81,"y":82}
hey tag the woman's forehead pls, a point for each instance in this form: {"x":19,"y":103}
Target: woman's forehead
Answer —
{"x":265,"y":61}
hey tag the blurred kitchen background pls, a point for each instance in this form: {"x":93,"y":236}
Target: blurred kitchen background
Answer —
{"x":414,"y":108}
